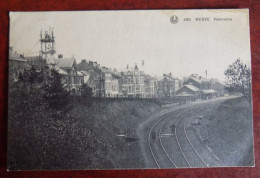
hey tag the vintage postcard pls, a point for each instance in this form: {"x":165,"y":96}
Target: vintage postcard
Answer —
{"x":137,"y":89}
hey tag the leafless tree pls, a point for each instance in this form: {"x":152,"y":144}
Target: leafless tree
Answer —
{"x":239,"y":78}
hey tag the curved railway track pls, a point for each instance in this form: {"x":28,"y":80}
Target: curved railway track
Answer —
{"x":192,"y":144}
{"x":164,"y":120}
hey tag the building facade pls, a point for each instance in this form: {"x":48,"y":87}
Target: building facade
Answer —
{"x":151,"y":88}
{"x":188,"y":91}
{"x":167,"y":86}
{"x":133,"y":83}
{"x":96,"y":74}
{"x":69,"y":66}
{"x":111,"y":85}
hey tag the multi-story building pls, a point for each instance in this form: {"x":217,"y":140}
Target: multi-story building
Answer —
{"x":111,"y":84}
{"x":150,"y":87}
{"x":167,"y":86}
{"x":133,"y":84}
{"x":94,"y":70}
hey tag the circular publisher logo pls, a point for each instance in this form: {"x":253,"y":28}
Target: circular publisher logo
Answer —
{"x":174,"y":19}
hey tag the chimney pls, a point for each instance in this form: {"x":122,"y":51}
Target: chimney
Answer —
{"x":136,"y":68}
{"x":60,"y":56}
{"x":83,"y":60}
{"x":170,"y":74}
{"x":127,"y":66}
{"x":91,"y":63}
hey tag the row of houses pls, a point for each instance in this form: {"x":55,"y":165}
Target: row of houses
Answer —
{"x":130,"y":82}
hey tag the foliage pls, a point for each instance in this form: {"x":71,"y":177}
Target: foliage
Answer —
{"x":86,"y":91}
{"x":55,"y":92}
{"x":34,"y":76}
{"x":86,"y":94}
{"x":239,"y":78}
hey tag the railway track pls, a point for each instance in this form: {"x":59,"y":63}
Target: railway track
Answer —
{"x":164,"y":152}
{"x":149,"y":140}
{"x":181,"y":137}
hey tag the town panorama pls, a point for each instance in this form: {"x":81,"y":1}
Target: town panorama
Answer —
{"x":66,"y":112}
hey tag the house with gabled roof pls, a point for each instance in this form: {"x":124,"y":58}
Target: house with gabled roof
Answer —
{"x":69,"y":66}
{"x":188,"y":91}
{"x":219,"y":87}
{"x":198,"y":81}
{"x":94,"y":70}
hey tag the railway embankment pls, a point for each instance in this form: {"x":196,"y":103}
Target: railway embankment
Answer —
{"x":82,"y":137}
{"x":227,"y":131}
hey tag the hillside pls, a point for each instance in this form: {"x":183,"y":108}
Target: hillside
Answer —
{"x":83,"y":137}
{"x":230,"y":132}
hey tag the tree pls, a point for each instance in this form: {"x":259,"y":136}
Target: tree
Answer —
{"x":34,"y":78}
{"x":86,"y":93}
{"x":239,"y":78}
{"x":56,"y":93}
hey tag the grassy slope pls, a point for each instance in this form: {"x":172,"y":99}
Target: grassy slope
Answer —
{"x":230,"y":133}
{"x":82,"y":138}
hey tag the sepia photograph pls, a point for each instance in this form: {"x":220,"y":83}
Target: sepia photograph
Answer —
{"x":129,"y":89}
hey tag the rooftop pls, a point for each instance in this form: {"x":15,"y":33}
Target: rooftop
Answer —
{"x":198,"y":78}
{"x":64,"y":62}
{"x":15,"y":56}
{"x":191,"y":87}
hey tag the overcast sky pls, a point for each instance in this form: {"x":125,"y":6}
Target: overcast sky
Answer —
{"x":117,"y":38}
